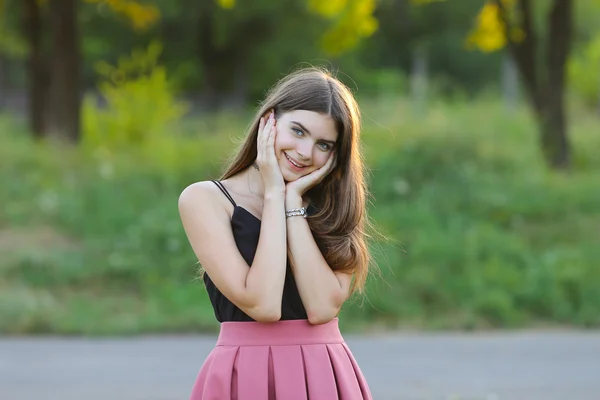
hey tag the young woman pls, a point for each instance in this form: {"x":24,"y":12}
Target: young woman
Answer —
{"x":281,"y":238}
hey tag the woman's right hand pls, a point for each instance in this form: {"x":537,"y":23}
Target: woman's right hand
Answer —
{"x":266,"y":159}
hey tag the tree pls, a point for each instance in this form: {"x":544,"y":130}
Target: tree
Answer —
{"x":54,"y":71}
{"x":511,"y":23}
{"x":65,"y":68}
{"x":242,"y":44}
{"x":32,"y":27}
{"x":350,"y":21}
{"x":225,"y":41}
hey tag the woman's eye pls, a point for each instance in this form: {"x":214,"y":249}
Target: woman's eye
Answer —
{"x":298,"y":132}
{"x":324,"y":146}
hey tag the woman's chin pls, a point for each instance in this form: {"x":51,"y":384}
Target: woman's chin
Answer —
{"x":290,"y":177}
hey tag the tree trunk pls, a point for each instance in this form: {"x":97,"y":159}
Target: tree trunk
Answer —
{"x":555,"y":144}
{"x":553,"y":131}
{"x":545,"y":84}
{"x":36,"y":71}
{"x":64,"y":116}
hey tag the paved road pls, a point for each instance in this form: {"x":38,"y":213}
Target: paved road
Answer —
{"x":490,"y":366}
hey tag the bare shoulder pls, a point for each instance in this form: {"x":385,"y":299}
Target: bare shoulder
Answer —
{"x":206,"y":216}
{"x":197,"y":190}
{"x":203,"y":197}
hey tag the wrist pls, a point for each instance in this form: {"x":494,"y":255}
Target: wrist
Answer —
{"x":274,"y":194}
{"x":292,"y":201}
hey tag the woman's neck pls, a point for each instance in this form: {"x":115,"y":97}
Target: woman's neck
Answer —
{"x":256,"y":186}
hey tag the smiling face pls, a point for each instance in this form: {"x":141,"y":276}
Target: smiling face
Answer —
{"x":304,"y":142}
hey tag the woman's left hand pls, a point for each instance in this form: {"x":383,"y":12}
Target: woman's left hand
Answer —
{"x":303,"y":184}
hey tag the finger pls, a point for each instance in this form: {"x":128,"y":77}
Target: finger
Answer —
{"x":260,"y":142}
{"x":271,"y":137}
{"x":267,"y":128}
{"x":329,"y":164}
{"x":273,"y":131}
{"x":263,"y":143}
{"x":333,"y":159}
{"x":264,"y":132}
{"x":327,"y":168}
{"x":261,"y":124}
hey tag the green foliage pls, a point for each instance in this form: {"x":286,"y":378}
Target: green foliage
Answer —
{"x":12,"y":43}
{"x":584,"y":72}
{"x":353,"y":20}
{"x":265,"y":38}
{"x":489,"y":238}
{"x":483,"y":235}
{"x":140,"y":106}
{"x":141,"y":16}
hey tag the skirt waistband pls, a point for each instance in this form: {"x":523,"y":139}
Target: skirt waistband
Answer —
{"x":280,"y":333}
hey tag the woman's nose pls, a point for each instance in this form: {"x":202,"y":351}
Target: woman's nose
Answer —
{"x":304,"y":151}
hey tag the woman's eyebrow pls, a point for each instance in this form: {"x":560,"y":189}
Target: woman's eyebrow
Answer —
{"x":307,"y":131}
{"x":301,"y":126}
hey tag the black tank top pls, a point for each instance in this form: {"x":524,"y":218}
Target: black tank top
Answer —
{"x":246,"y":230}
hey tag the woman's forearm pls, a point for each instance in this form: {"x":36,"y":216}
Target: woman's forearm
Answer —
{"x":266,"y":276}
{"x":321,"y":291}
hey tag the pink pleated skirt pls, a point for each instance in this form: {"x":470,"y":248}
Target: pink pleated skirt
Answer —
{"x":285,"y":360}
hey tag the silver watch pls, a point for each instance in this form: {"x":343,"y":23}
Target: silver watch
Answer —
{"x":296,"y":212}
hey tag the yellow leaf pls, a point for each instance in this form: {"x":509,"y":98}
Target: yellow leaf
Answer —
{"x":327,"y":9}
{"x":353,"y":21}
{"x":226,"y":4}
{"x":420,"y":2}
{"x":141,"y":16}
{"x":489,"y":32}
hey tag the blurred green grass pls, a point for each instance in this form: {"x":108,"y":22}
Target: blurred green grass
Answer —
{"x":483,"y":235}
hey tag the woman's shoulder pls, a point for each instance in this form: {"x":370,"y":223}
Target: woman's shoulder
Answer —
{"x":202,"y":194}
{"x":198,"y":190}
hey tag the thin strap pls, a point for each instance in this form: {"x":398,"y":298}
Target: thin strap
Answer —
{"x":225,"y":192}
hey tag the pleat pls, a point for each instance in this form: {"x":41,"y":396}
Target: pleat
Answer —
{"x":217,"y":384}
{"x":253,"y":373}
{"x":201,"y":379}
{"x":320,"y":379}
{"x":347,"y":383}
{"x":288,"y":370}
{"x":271,"y":377}
{"x":251,"y":362}
{"x":362,"y":381}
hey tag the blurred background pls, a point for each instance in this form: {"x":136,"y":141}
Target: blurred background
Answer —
{"x":481,"y":126}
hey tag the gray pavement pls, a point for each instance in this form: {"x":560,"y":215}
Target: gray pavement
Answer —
{"x":418,"y":366}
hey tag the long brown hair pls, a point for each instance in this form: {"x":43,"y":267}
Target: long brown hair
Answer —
{"x":340,"y":223}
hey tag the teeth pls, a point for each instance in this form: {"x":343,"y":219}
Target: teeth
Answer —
{"x":292,"y":161}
